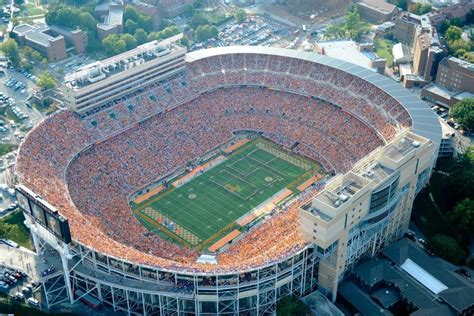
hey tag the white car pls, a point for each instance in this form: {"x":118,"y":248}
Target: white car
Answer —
{"x":34,"y":302}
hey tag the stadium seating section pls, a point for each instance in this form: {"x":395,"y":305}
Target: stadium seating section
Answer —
{"x":87,"y":166}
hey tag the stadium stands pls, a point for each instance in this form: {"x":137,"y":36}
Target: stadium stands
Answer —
{"x":89,"y":166}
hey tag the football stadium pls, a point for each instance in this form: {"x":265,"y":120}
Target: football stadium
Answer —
{"x":219,"y":181}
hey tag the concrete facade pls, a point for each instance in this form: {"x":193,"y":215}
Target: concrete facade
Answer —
{"x":101,"y":82}
{"x":367,"y":208}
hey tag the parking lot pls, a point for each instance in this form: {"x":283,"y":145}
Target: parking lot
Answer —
{"x":18,"y":286}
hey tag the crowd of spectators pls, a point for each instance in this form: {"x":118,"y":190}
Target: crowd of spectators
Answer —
{"x":71,"y":160}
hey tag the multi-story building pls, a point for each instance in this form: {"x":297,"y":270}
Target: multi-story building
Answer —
{"x":376,"y":11}
{"x":454,"y":82}
{"x":361,"y":211}
{"x":51,"y":41}
{"x":101,"y":82}
{"x":406,"y":24}
{"x":455,"y":74}
{"x":111,"y":15}
{"x":173,"y":8}
{"x":404,"y":275}
{"x":149,"y":10}
{"x":427,"y":53}
{"x":456,"y":11}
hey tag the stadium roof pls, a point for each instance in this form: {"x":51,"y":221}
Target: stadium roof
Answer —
{"x":425,"y":122}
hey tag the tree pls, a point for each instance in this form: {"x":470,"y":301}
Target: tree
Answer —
{"x":453,"y":33}
{"x":11,"y":51}
{"x":46,"y":81}
{"x":462,"y":217}
{"x":461,"y":179}
{"x":114,"y":44}
{"x":143,"y":21}
{"x":403,"y":4}
{"x":463,"y":113}
{"x":353,"y":26}
{"x":205,"y":32}
{"x":447,"y":248}
{"x":184,"y":41}
{"x":75,"y":18}
{"x":459,"y":46}
{"x":198,"y":3}
{"x":165,"y":33}
{"x":335,"y":31}
{"x":130,"y":26}
{"x":29,"y":57}
{"x":291,"y":306}
{"x":141,"y":36}
{"x":197,"y":20}
{"x":422,"y":8}
{"x":130,"y":41}
{"x":189,"y":10}
{"x":240,"y":16}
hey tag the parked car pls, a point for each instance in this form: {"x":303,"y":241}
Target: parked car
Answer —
{"x":34,"y":302}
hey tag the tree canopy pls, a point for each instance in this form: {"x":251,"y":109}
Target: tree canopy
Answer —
{"x":141,"y":20}
{"x":463,"y":113}
{"x":352,"y":27}
{"x":114,"y":44}
{"x":11,"y":51}
{"x":205,"y":32}
{"x":46,"y":81}
{"x":197,"y":20}
{"x":447,"y":248}
{"x":462,"y":217}
{"x":291,"y":306}
{"x":240,"y":16}
{"x":422,"y":8}
{"x":165,"y":33}
{"x":73,"y":18}
{"x":456,"y":44}
{"x":461,"y":179}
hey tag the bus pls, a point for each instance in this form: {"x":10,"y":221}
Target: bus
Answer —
{"x":9,"y":243}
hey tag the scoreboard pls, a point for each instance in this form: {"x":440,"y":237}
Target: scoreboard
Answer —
{"x":43,"y":213}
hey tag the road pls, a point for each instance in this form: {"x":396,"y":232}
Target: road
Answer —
{"x":10,"y":23}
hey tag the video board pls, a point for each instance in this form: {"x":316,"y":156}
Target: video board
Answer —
{"x":43,"y":213}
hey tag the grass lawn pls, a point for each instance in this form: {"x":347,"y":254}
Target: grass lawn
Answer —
{"x":383,"y":48}
{"x":12,"y":227}
{"x":12,"y":116}
{"x":216,"y":17}
{"x":213,"y":201}
{"x":6,"y":148}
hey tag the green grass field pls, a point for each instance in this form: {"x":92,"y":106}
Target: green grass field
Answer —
{"x":202,"y":210}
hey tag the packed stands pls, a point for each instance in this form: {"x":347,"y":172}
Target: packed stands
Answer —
{"x":88,"y":166}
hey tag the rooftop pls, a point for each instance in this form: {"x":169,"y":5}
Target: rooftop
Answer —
{"x":114,"y":15}
{"x":378,"y":5}
{"x":35,"y":33}
{"x":347,"y":50}
{"x":112,"y":66}
{"x":407,"y":272}
{"x":400,"y":149}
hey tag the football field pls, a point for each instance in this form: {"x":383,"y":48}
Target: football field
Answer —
{"x":205,"y":208}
